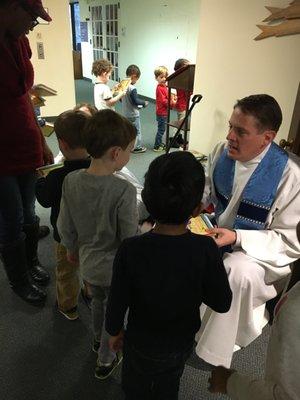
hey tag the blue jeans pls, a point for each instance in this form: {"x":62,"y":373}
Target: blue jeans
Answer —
{"x":136,"y":122}
{"x":161,"y":127}
{"x":17,"y":205}
{"x":148,"y":378}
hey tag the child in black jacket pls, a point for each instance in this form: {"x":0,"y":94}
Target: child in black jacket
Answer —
{"x":68,"y":128}
{"x":162,"y":277}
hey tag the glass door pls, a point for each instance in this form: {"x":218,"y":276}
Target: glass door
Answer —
{"x":105,"y":35}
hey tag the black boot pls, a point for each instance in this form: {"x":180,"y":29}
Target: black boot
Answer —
{"x":13,"y":257}
{"x":36,"y":270}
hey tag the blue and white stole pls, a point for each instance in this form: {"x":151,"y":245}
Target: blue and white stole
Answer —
{"x":259,"y":192}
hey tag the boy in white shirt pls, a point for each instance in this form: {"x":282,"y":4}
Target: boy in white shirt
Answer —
{"x":103,"y":97}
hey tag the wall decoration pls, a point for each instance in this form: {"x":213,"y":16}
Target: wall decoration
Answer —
{"x":288,"y":17}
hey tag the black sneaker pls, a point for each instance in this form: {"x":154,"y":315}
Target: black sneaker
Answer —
{"x":158,"y":148}
{"x":104,"y":371}
{"x":96,"y":345}
{"x":71,"y":315}
{"x":139,"y":150}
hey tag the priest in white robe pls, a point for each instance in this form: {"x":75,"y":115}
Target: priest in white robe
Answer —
{"x":255,"y":188}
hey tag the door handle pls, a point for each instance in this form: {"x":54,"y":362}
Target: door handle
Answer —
{"x":286,"y":143}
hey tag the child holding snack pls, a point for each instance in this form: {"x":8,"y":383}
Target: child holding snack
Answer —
{"x":103,"y":96}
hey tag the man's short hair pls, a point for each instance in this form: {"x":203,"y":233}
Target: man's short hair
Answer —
{"x":174,"y":185}
{"x":161,"y":70}
{"x":181,"y":62}
{"x":264,"y":108}
{"x":106,"y":129}
{"x":133,"y":70}
{"x":69,"y":126}
{"x":101,"y":66}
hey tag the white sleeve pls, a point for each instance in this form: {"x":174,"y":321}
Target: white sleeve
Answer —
{"x":65,"y":224}
{"x":107,"y":94}
{"x":278,"y":244}
{"x":209,"y":193}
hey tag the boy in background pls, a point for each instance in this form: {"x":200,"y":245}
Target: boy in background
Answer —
{"x":131,"y":104}
{"x":103,"y":97}
{"x":162,"y":99}
{"x":98,"y":210}
{"x":183,"y":97}
{"x":162,"y":277}
{"x":69,"y":129}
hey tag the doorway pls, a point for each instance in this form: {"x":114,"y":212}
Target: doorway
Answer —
{"x":105,"y":31}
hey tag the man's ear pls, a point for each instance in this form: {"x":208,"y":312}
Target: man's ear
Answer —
{"x":269,"y":136}
{"x":197,"y":210}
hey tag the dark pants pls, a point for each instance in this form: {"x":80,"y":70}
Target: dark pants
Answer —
{"x":161,"y":127}
{"x":152,"y":378}
{"x":17,"y":206}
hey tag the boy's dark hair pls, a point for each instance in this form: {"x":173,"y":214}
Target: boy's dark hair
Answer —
{"x":107,"y":129}
{"x":92,"y":109}
{"x":264,"y":108}
{"x":181,"y":62}
{"x":133,"y":70}
{"x":174,"y":185}
{"x":101,"y":66}
{"x":69,"y":126}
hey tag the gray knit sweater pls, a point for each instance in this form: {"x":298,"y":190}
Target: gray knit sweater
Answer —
{"x":96,"y":214}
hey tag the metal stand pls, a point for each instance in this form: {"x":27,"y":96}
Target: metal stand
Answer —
{"x":196,"y":99}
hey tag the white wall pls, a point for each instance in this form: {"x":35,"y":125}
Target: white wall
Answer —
{"x":56,"y":70}
{"x":152,"y":33}
{"x":231,"y":65}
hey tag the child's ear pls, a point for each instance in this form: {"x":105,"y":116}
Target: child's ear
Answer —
{"x":115,"y":151}
{"x":63,"y":145}
{"x":197,"y":210}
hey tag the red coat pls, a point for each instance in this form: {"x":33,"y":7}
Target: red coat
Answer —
{"x":20,"y":137}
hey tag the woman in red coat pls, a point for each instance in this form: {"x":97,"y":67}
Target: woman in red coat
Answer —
{"x":22,"y":150}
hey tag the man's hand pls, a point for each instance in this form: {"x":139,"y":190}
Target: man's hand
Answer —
{"x":222,"y":236}
{"x":47,"y":154}
{"x":116,"y":342}
{"x":218,"y":380}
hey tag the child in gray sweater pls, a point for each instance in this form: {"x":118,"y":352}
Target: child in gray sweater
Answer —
{"x":98,"y":210}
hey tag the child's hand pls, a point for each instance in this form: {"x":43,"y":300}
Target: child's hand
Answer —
{"x":218,"y":380}
{"x":146,"y":103}
{"x":146,"y":227}
{"x":41,"y":173}
{"x":73,"y":258}
{"x":116,"y":342}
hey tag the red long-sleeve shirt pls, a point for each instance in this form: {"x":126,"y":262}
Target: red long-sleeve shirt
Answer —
{"x":161,"y":100}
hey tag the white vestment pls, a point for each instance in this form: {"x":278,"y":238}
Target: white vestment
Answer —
{"x":258,"y":264}
{"x":281,"y":381}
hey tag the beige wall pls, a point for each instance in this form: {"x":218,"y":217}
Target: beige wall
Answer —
{"x":56,"y":70}
{"x":231,"y":65}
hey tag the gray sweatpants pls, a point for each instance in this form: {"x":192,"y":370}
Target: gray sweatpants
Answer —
{"x":99,"y":303}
